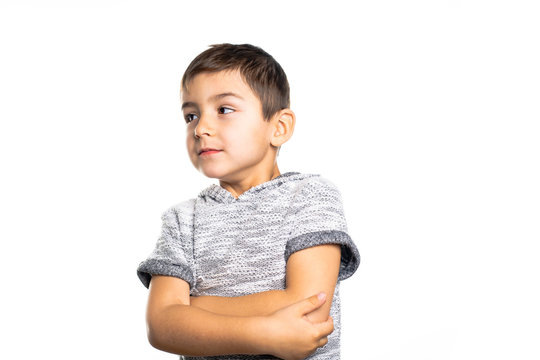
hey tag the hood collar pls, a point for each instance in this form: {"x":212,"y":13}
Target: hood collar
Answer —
{"x":221,"y":195}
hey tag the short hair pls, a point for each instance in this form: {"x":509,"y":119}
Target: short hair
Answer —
{"x":259,"y":69}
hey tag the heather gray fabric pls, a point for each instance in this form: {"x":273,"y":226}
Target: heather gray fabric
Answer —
{"x":224,"y":246}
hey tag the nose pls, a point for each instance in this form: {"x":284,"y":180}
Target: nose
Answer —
{"x":203,"y":127}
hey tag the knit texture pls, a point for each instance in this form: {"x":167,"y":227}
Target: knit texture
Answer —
{"x":223,"y":246}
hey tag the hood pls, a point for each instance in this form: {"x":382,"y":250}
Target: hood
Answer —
{"x":221,"y":195}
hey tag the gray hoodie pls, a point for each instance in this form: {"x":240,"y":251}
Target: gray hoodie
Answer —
{"x":223,"y":246}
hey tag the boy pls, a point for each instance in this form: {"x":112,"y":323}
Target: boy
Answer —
{"x":251,"y":266}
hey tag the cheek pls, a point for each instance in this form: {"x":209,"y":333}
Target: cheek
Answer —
{"x":232,"y":136}
{"x":242,"y":138}
{"x":190,"y":142}
{"x":189,"y":134}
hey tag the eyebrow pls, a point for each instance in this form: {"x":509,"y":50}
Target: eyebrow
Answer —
{"x":213,"y":98}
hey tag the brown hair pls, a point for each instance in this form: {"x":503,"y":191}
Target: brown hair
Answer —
{"x":258,"y":68}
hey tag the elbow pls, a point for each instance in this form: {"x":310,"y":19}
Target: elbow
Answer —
{"x":160,"y":333}
{"x":156,"y":330}
{"x":159,"y":340}
{"x":153,"y":334}
{"x":153,"y":340}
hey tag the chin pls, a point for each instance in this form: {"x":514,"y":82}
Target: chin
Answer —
{"x":212,"y":173}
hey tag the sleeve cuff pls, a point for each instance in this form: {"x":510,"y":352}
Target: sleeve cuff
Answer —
{"x":350,"y":257}
{"x":159,"y":267}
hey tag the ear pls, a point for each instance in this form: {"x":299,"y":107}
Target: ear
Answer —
{"x":282,"y":127}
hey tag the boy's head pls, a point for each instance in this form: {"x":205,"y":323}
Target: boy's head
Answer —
{"x":259,"y":70}
{"x":235,"y":100}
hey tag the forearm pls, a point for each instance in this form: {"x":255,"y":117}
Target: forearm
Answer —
{"x":261,"y":304}
{"x":188,"y":330}
{"x":258,"y":304}
{"x":309,"y":271}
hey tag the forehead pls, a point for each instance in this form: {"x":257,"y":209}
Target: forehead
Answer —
{"x":207,"y":84}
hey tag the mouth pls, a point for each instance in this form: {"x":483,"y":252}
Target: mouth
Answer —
{"x":208,"y":151}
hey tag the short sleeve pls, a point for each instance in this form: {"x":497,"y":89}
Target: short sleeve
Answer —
{"x":173,"y":253}
{"x":316,"y":217}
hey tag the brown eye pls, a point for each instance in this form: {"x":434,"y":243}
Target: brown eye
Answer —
{"x":225,"y":110}
{"x":189,"y":117}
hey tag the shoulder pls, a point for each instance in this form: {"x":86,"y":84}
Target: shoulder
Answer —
{"x":317,"y":188}
{"x":179,"y":211}
{"x":322,"y":183}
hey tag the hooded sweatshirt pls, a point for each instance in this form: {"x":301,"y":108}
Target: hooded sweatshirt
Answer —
{"x":227,"y":246}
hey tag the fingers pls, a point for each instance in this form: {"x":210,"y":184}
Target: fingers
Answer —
{"x":323,"y":341}
{"x":326,"y":327}
{"x":312,"y":303}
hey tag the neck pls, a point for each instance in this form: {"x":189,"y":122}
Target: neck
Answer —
{"x":237,"y":188}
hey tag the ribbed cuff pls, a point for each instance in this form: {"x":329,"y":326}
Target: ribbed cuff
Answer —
{"x":159,"y":267}
{"x":350,"y":257}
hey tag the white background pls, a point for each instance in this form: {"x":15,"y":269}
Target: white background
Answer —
{"x":424,"y":113}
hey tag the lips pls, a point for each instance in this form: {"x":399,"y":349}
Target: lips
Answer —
{"x":203,"y":150}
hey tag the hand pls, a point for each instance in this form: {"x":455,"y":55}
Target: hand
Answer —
{"x":292,"y":336}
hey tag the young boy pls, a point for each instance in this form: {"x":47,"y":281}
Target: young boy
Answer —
{"x":250,"y":266}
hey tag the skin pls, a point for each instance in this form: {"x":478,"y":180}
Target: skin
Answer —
{"x":175,"y":326}
{"x":289,"y":323}
{"x":235,"y":126}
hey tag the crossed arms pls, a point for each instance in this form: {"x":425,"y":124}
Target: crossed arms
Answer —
{"x":290,"y":323}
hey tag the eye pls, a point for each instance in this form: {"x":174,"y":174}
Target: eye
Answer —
{"x":225,"y":110}
{"x":189,"y":117}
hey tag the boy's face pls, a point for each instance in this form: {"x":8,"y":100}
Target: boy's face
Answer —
{"x":222,"y":112}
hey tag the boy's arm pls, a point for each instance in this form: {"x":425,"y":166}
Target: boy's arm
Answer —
{"x":309,"y":271}
{"x":175,"y":326}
